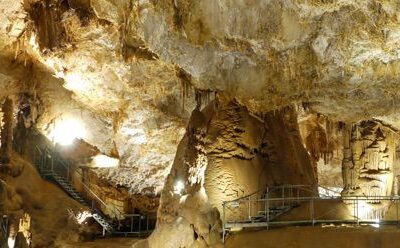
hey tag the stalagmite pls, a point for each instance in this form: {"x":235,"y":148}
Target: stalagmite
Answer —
{"x":368,"y":164}
{"x":177,"y":109}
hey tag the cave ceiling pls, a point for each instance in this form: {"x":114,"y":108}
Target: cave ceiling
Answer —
{"x":128,"y":69}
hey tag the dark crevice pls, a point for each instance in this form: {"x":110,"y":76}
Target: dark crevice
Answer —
{"x":46,"y":16}
{"x":138,"y":52}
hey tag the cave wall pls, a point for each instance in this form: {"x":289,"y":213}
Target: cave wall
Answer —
{"x":323,"y":140}
{"x":368,"y":164}
{"x":226,"y":153}
{"x":7,"y":130}
{"x":246,"y":153}
{"x":118,"y":61}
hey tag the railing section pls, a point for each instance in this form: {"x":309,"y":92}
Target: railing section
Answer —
{"x":51,"y":164}
{"x":301,"y":205}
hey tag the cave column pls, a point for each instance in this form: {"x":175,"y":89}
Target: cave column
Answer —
{"x":347,"y":163}
{"x":369,"y":152}
{"x":7,"y":130}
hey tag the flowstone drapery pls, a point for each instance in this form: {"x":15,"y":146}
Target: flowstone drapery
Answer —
{"x":369,"y":152}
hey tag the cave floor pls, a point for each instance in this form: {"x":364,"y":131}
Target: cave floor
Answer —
{"x":106,"y":242}
{"x":309,"y":237}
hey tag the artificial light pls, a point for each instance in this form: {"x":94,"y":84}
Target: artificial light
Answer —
{"x":66,"y":131}
{"x":11,"y":242}
{"x":178,"y":187}
{"x":375,"y":225}
{"x":73,"y":82}
{"x":103,"y":161}
{"x":81,"y":217}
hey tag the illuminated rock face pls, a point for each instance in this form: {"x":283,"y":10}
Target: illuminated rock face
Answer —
{"x":226,"y":153}
{"x":246,"y":153}
{"x":323,"y":140}
{"x":369,"y":152}
{"x":117,"y":67}
{"x":117,"y":63}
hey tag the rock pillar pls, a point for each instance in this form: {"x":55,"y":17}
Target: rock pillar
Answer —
{"x":369,"y":152}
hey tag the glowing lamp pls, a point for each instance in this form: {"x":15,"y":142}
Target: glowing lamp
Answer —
{"x":11,"y":242}
{"x":66,"y":131}
{"x":103,"y":161}
{"x":178,"y":187}
{"x":375,"y":225}
{"x":74,"y":82}
{"x":81,"y":217}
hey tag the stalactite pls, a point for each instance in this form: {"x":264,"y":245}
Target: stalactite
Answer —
{"x":47,"y":19}
{"x":368,"y":164}
{"x":202,"y":97}
{"x":185,"y":83}
{"x":7,"y":130}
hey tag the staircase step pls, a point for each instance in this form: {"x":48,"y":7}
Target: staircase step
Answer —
{"x":47,"y":171}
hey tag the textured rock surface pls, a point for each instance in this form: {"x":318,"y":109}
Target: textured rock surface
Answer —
{"x":368,"y":164}
{"x":120,"y":65}
{"x":332,"y":54}
{"x":130,"y":72}
{"x":323,"y":140}
{"x":225,"y":154}
{"x":246,"y":153}
{"x":29,"y":196}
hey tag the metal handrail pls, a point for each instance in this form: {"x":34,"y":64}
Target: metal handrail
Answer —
{"x":271,"y":189}
{"x":306,"y":198}
{"x":268,"y":209}
{"x":327,"y":189}
{"x":50,"y":162}
{"x":115,"y":211}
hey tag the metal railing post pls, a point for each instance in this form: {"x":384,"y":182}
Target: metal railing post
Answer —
{"x":52,"y":162}
{"x":267,"y":211}
{"x":265,"y":206}
{"x":291,"y":195}
{"x":223,"y":223}
{"x":358,"y":218}
{"x":354,"y":210}
{"x":132,"y":224}
{"x":140,"y":223}
{"x":397,"y":211}
{"x":312,"y":210}
{"x":147,"y":223}
{"x":248,"y":207}
{"x":68,"y":172}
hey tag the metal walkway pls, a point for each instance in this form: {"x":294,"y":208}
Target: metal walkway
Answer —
{"x":302,"y":205}
{"x":53,"y":167}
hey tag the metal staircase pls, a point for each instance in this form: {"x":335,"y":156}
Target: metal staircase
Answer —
{"x":264,"y":206}
{"x":63,"y":183}
{"x":49,"y":171}
{"x":272,"y":213}
{"x":52,"y":166}
{"x":105,"y":222}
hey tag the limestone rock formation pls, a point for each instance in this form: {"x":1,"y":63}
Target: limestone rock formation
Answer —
{"x":368,"y":164}
{"x":130,"y":73}
{"x":323,"y":140}
{"x":226,"y":153}
{"x":119,"y":66}
{"x":7,"y":131}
